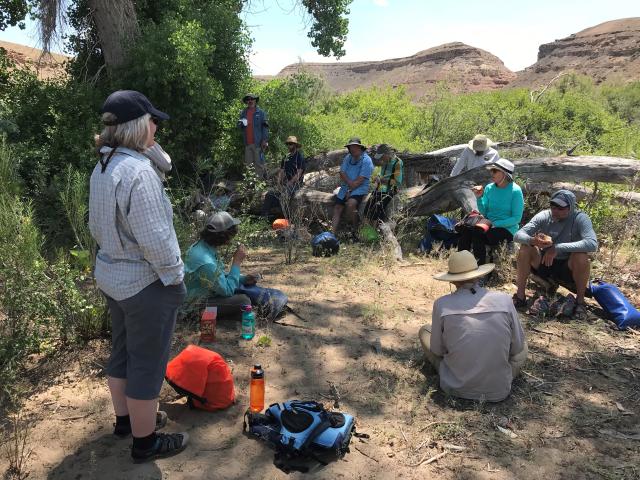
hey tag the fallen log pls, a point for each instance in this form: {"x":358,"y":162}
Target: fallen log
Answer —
{"x":387,"y":233}
{"x":418,"y":166}
{"x":447,"y":195}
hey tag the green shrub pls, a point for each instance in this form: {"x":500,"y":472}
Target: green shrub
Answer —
{"x":43,"y":304}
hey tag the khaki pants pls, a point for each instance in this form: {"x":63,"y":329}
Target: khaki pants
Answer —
{"x":252,"y":157}
{"x":425,"y":339}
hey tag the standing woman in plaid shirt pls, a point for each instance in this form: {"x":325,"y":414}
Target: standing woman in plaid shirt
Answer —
{"x":138,"y":269}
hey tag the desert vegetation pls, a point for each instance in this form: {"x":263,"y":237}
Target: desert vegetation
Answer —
{"x":50,"y":308}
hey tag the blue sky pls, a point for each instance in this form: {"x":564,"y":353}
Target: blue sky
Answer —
{"x":379,"y":29}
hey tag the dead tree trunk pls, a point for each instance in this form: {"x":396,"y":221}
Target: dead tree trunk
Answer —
{"x":445,"y":195}
{"x":117,"y":25}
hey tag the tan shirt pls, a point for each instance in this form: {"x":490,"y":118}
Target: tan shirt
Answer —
{"x":476,"y":334}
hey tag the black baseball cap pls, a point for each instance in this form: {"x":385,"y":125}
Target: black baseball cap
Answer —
{"x":128,"y":105}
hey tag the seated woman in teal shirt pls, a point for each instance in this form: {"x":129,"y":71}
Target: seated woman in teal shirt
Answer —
{"x":206,"y":277}
{"x":502,"y":204}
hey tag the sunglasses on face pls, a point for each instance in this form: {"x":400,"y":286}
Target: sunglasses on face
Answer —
{"x":288,"y":144}
{"x":155,"y":120}
{"x":557,"y":207}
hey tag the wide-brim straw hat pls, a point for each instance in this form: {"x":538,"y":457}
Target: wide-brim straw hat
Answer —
{"x":480,"y":143}
{"x":462,"y":267}
{"x":355,"y":141}
{"x":293,"y":139}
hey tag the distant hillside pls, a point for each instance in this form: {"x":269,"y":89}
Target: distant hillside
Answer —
{"x":50,"y":66}
{"x":469,"y":69}
{"x":609,"y":51}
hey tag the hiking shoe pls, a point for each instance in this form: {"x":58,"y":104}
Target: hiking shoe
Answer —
{"x":540,"y":307}
{"x":569,"y":306}
{"x":555,"y":309}
{"x":166,"y":445}
{"x":125,"y":430}
{"x":580,"y":312}
{"x":519,"y":303}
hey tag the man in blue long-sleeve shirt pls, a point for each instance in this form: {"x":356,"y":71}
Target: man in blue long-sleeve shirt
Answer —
{"x":555,"y":244}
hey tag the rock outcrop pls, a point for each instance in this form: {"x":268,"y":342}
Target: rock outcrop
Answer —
{"x":466,"y":68}
{"x":608,"y":51}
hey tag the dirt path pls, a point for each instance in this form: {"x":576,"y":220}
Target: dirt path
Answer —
{"x":574,"y":411}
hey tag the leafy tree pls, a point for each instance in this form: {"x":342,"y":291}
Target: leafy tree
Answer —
{"x":12,"y":13}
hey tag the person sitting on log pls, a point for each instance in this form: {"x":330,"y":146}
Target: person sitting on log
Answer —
{"x":386,"y":185}
{"x":555,"y":245}
{"x":289,"y":180}
{"x":502,"y":205}
{"x":477,"y":154}
{"x":355,"y":173}
{"x":475,"y":340}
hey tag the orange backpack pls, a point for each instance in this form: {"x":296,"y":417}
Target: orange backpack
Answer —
{"x":280,"y":224}
{"x":203,"y":377}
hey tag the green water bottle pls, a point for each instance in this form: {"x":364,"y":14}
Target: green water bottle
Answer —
{"x":248,"y":322}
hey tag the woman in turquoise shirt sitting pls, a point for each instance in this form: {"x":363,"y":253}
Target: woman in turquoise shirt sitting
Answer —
{"x":206,"y":277}
{"x":502,"y":204}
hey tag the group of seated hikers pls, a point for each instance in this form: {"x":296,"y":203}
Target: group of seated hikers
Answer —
{"x":475,"y":339}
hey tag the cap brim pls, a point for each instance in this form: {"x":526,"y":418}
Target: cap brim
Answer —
{"x":461,"y":277}
{"x":158,"y":114}
{"x":559,"y":203}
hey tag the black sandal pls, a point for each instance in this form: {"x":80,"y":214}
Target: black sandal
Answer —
{"x":166,"y":445}
{"x":519,"y":303}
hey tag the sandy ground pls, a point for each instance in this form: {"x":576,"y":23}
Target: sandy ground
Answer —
{"x":573,"y":413}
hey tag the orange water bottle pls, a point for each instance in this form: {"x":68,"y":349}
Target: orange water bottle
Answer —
{"x":256,"y":389}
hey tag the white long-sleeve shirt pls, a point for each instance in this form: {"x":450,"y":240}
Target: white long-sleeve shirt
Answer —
{"x":468,"y":160}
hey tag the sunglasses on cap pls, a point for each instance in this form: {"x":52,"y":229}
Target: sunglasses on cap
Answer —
{"x":555,"y":206}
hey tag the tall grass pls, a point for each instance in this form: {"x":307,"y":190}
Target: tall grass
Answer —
{"x":44,"y":304}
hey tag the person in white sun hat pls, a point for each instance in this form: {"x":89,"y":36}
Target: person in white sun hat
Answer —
{"x":475,"y":340}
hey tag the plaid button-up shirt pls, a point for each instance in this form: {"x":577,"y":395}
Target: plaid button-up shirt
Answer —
{"x":131,"y":219}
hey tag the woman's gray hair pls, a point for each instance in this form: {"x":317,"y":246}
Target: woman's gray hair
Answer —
{"x":132,"y":134}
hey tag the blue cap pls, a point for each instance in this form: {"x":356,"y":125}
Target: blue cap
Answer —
{"x":128,"y":105}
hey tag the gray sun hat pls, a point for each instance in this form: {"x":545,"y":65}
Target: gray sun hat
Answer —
{"x":221,"y":222}
{"x":383,"y":149}
{"x":504,"y":165}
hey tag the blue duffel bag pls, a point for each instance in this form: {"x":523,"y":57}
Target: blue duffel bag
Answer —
{"x":615,"y":304}
{"x":268,"y":302}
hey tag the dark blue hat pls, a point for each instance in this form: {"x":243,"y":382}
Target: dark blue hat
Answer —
{"x":128,"y":105}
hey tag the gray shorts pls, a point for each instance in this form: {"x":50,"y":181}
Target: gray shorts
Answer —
{"x":141,"y":331}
